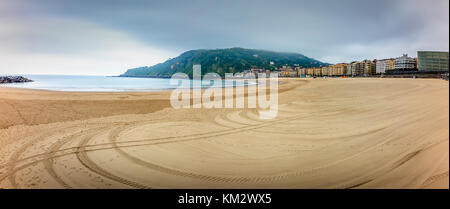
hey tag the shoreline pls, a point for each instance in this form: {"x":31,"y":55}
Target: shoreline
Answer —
{"x":118,"y":91}
{"x":167,"y":90}
{"x":65,"y":91}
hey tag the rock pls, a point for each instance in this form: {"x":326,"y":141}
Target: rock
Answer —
{"x":14,"y":79}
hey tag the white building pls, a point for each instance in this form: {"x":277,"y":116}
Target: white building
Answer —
{"x":404,"y":63}
{"x":383,"y":65}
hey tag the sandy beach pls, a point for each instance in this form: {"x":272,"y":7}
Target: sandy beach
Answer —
{"x":329,"y":133}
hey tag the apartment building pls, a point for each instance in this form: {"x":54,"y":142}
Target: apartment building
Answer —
{"x":339,"y":69}
{"x":382,"y":66}
{"x":367,"y":67}
{"x":404,"y":63}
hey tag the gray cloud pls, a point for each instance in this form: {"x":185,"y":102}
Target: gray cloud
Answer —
{"x":329,"y":30}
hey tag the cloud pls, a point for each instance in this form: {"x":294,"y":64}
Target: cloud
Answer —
{"x":121,"y":34}
{"x":67,"y":46}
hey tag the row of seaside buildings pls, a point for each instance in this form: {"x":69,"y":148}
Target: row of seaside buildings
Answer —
{"x":426,"y":61}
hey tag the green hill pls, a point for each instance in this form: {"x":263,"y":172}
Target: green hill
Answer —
{"x":223,"y":61}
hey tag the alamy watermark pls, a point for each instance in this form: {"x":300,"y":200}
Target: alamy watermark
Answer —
{"x":258,"y":91}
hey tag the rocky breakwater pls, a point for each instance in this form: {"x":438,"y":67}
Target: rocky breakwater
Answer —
{"x":14,"y":79}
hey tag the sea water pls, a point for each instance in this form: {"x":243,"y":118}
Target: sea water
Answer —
{"x":108,"y":84}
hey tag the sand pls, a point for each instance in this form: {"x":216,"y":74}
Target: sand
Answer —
{"x":329,"y":133}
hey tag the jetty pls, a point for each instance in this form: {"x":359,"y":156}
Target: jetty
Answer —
{"x":14,"y":79}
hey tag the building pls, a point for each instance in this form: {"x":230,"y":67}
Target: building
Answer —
{"x":317,"y":71}
{"x":404,"y":63}
{"x":310,"y":71}
{"x":301,"y":72}
{"x":367,"y":67}
{"x":291,"y":72}
{"x":415,"y":63}
{"x":280,"y":73}
{"x":339,"y":69}
{"x":350,"y":68}
{"x":382,"y":66}
{"x":432,"y":61}
{"x":355,"y":69}
{"x":325,"y":70}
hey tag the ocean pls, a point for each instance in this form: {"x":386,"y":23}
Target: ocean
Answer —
{"x":105,"y":83}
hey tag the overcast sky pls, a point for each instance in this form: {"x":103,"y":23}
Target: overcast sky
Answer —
{"x":108,"y":37}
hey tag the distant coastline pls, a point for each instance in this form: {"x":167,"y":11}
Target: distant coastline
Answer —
{"x":222,"y":61}
{"x":141,"y":76}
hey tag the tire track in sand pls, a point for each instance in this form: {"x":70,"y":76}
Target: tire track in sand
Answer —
{"x":14,"y":159}
{"x":50,"y":160}
{"x":434,"y":178}
{"x":115,"y":133}
{"x":153,"y":141}
{"x":82,"y":156}
{"x":88,"y":163}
